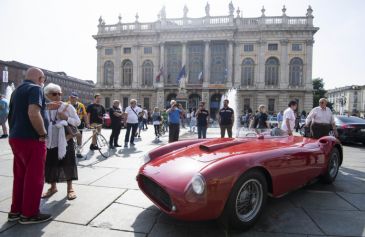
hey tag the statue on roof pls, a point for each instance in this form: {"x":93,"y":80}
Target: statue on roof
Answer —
{"x":186,"y":10}
{"x":231,"y":8}
{"x":207,"y":9}
{"x":163,"y":13}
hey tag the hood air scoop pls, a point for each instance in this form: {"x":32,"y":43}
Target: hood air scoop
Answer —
{"x":215,"y":147}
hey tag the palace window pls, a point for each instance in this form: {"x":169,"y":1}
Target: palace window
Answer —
{"x":146,"y":103}
{"x":246,"y":104}
{"x":127,"y":50}
{"x":296,"y":47}
{"x":271,"y":105}
{"x":127,"y":73}
{"x":272,"y":47}
{"x":272,"y":72}
{"x":108,"y":51}
{"x":107,"y":102}
{"x":196,"y":63}
{"x":248,"y":47}
{"x":108,"y":73}
{"x":147,"y":73}
{"x":125,"y":102}
{"x":247,"y":72}
{"x":218,"y":65}
{"x":296,"y":72}
{"x":147,"y":50}
{"x":173,"y":57}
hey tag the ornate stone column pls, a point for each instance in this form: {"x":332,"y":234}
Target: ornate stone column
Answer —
{"x":237,"y":65}
{"x":230,"y":64}
{"x":307,"y":78}
{"x":260,"y":79}
{"x":99,"y":75}
{"x":136,"y":58}
{"x":206,"y":73}
{"x":117,"y":67}
{"x":183,"y":56}
{"x":162,"y":61}
{"x":284,"y":65}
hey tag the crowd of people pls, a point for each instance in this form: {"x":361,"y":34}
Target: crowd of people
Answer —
{"x":42,"y":134}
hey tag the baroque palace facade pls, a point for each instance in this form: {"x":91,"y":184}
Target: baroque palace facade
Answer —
{"x":267,"y":59}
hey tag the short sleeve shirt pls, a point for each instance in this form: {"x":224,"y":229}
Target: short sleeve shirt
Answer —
{"x":288,"y":114}
{"x":4,"y":107}
{"x":174,"y":116}
{"x":202,"y":118}
{"x":114,"y":119}
{"x":132,"y":114}
{"x":80,"y":109}
{"x":226,"y":116}
{"x":96,"y":112}
{"x":28,"y":93}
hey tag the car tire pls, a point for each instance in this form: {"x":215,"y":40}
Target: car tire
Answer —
{"x":233,"y":215}
{"x":332,"y":167}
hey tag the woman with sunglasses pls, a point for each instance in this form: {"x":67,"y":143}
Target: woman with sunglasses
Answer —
{"x":61,"y":158}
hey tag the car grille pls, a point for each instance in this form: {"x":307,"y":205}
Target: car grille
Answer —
{"x":157,"y":193}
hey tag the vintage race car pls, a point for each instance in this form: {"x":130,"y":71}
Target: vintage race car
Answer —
{"x":230,"y":178}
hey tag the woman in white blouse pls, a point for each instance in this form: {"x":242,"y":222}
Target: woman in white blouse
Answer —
{"x":60,"y":162}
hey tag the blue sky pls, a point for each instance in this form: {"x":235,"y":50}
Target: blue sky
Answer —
{"x":57,"y":35}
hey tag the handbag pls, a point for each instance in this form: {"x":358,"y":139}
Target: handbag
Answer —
{"x":70,"y":130}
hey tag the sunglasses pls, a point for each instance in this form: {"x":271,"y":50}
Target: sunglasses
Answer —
{"x":56,"y":93}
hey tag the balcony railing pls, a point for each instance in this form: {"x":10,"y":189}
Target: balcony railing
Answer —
{"x":214,"y":21}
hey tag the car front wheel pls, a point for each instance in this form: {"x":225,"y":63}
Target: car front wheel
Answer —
{"x":332,"y":167}
{"x":246,"y":201}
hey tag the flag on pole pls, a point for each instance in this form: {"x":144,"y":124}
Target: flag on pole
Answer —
{"x":200,"y":76}
{"x":158,"y":77}
{"x":182,"y":74}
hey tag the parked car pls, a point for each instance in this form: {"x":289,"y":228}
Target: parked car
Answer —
{"x":230,"y":178}
{"x":273,"y":121}
{"x":350,"y":128}
{"x":107,"y":123}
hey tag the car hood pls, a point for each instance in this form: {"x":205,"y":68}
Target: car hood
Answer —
{"x":176,"y":169}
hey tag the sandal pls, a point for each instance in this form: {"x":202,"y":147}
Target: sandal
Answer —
{"x":71,"y":195}
{"x":49,"y":193}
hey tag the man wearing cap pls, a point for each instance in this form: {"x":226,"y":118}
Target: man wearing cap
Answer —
{"x":321,"y":120}
{"x":81,"y":112}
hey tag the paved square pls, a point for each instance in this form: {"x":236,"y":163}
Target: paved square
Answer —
{"x":109,"y":202}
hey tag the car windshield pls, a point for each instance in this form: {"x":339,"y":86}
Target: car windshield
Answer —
{"x":266,"y":133}
{"x":351,"y":119}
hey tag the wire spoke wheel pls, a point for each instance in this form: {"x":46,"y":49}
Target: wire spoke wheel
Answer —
{"x":333,"y":165}
{"x":249,"y":200}
{"x":103,"y":145}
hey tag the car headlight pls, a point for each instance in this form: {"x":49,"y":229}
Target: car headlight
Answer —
{"x":198,"y":184}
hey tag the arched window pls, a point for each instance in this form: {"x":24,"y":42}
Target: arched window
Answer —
{"x":147,"y":73}
{"x":196,"y":63}
{"x":108,"y":73}
{"x":127,"y":73}
{"x":296,"y":72}
{"x":272,"y":72}
{"x":247,"y":72}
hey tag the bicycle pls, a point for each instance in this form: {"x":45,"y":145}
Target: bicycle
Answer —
{"x":101,"y":142}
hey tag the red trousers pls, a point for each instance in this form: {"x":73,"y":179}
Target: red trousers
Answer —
{"x":28,"y":169}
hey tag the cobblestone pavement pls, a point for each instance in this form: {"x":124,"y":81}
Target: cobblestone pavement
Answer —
{"x":109,"y":202}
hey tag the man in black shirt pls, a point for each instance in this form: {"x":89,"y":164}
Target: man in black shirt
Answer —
{"x":115,"y":114}
{"x":95,"y":112}
{"x":226,"y":119}
{"x":202,"y":116}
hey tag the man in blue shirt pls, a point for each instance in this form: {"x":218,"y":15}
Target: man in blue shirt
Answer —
{"x":174,"y":121}
{"x":4,"y":111}
{"x":28,"y":132}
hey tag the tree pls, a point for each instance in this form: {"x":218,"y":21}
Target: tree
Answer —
{"x":318,"y":90}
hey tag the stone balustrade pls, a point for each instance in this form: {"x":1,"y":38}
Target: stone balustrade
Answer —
{"x":209,"y":21}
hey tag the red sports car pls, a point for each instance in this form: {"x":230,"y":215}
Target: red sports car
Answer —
{"x":230,"y":178}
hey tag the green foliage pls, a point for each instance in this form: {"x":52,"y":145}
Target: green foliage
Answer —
{"x":318,"y":91}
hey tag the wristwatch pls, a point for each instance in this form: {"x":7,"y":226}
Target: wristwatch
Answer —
{"x":43,"y":136}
